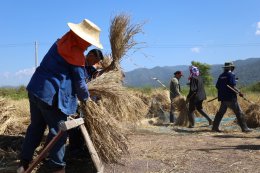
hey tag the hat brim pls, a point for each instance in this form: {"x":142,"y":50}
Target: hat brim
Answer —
{"x":85,"y":36}
{"x":228,"y":66}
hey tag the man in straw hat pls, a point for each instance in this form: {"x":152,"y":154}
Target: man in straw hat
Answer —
{"x":53,"y":91}
{"x":228,"y":98}
{"x":175,"y":91}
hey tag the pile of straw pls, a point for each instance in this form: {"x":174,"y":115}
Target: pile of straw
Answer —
{"x":6,"y":117}
{"x":181,"y":106}
{"x":252,"y":116}
{"x":14,"y":116}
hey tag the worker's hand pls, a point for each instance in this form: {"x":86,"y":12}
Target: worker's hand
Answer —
{"x":241,"y":94}
{"x":84,"y":103}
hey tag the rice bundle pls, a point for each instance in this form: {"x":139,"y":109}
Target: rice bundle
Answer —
{"x":180,"y":104}
{"x":252,"y":116}
{"x":126,"y":106}
{"x":114,"y":103}
{"x":107,"y":137}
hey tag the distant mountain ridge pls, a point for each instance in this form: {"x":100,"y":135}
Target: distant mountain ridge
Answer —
{"x":246,"y":70}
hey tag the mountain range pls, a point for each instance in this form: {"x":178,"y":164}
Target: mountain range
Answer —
{"x":247,"y":72}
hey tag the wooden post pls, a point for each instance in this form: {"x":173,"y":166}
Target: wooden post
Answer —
{"x":94,"y":155}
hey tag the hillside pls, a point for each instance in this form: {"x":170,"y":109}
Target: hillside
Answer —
{"x":246,"y":70}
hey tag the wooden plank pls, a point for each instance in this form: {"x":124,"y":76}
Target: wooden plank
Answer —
{"x":44,"y":152}
{"x":66,"y":125}
{"x":94,"y":155}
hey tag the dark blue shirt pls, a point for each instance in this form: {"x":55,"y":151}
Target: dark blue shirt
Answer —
{"x":225,"y":93}
{"x":59,"y":83}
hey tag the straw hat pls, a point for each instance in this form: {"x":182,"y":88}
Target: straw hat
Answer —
{"x":88,"y":31}
{"x":228,"y":64}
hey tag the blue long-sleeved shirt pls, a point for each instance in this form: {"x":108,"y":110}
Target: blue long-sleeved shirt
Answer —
{"x":225,"y":93}
{"x":59,"y":83}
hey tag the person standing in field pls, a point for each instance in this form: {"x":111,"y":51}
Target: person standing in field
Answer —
{"x":175,"y":91}
{"x":228,"y":98}
{"x":196,"y":96}
{"x":53,"y":92}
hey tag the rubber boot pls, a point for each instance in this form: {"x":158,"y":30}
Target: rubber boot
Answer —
{"x":191,"y":119}
{"x":216,"y":122}
{"x":242,"y":123}
{"x":201,"y":111}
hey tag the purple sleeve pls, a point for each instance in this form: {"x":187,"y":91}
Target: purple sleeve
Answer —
{"x":79,"y":83}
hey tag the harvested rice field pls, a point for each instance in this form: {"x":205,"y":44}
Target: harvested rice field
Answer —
{"x":166,"y":148}
{"x":173,"y":149}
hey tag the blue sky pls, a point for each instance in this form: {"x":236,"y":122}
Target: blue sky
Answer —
{"x":176,"y":32}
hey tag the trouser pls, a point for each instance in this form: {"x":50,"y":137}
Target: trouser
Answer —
{"x":76,"y":140}
{"x":193,"y":105}
{"x":172,"y":112}
{"x":234,"y":106}
{"x":43,"y":115}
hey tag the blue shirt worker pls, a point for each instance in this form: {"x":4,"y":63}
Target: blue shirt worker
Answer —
{"x":53,"y":92}
{"x":228,"y":98}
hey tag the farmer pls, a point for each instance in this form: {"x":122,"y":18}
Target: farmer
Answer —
{"x":93,"y":65}
{"x":196,"y":96}
{"x":175,"y":91}
{"x":228,"y":98}
{"x":53,"y":91}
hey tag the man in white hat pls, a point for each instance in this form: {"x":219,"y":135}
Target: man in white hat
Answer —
{"x":53,"y":92}
{"x":228,"y":98}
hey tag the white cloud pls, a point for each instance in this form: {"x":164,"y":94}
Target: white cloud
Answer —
{"x":195,"y":50}
{"x":25,"y":72}
{"x":258,"y":25}
{"x":20,"y":77}
{"x":257,"y":32}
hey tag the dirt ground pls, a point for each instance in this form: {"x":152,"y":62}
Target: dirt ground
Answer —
{"x":172,"y":149}
{"x":185,"y":150}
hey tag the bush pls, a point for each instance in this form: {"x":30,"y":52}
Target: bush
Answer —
{"x":14,"y":93}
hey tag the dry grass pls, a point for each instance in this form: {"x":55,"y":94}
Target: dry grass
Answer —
{"x":113,"y":103}
{"x":180,"y":104}
{"x":106,"y":134}
{"x":14,"y":116}
{"x":252,"y":116}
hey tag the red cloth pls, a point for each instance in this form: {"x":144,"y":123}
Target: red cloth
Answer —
{"x":71,"y":47}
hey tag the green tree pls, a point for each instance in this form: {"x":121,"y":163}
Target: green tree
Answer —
{"x":204,"y":72}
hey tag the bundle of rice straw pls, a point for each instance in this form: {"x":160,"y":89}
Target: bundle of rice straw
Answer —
{"x":114,"y":103}
{"x":107,"y":137}
{"x":252,"y":116}
{"x":115,"y":98}
{"x":122,"y":38}
{"x":180,"y":104}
